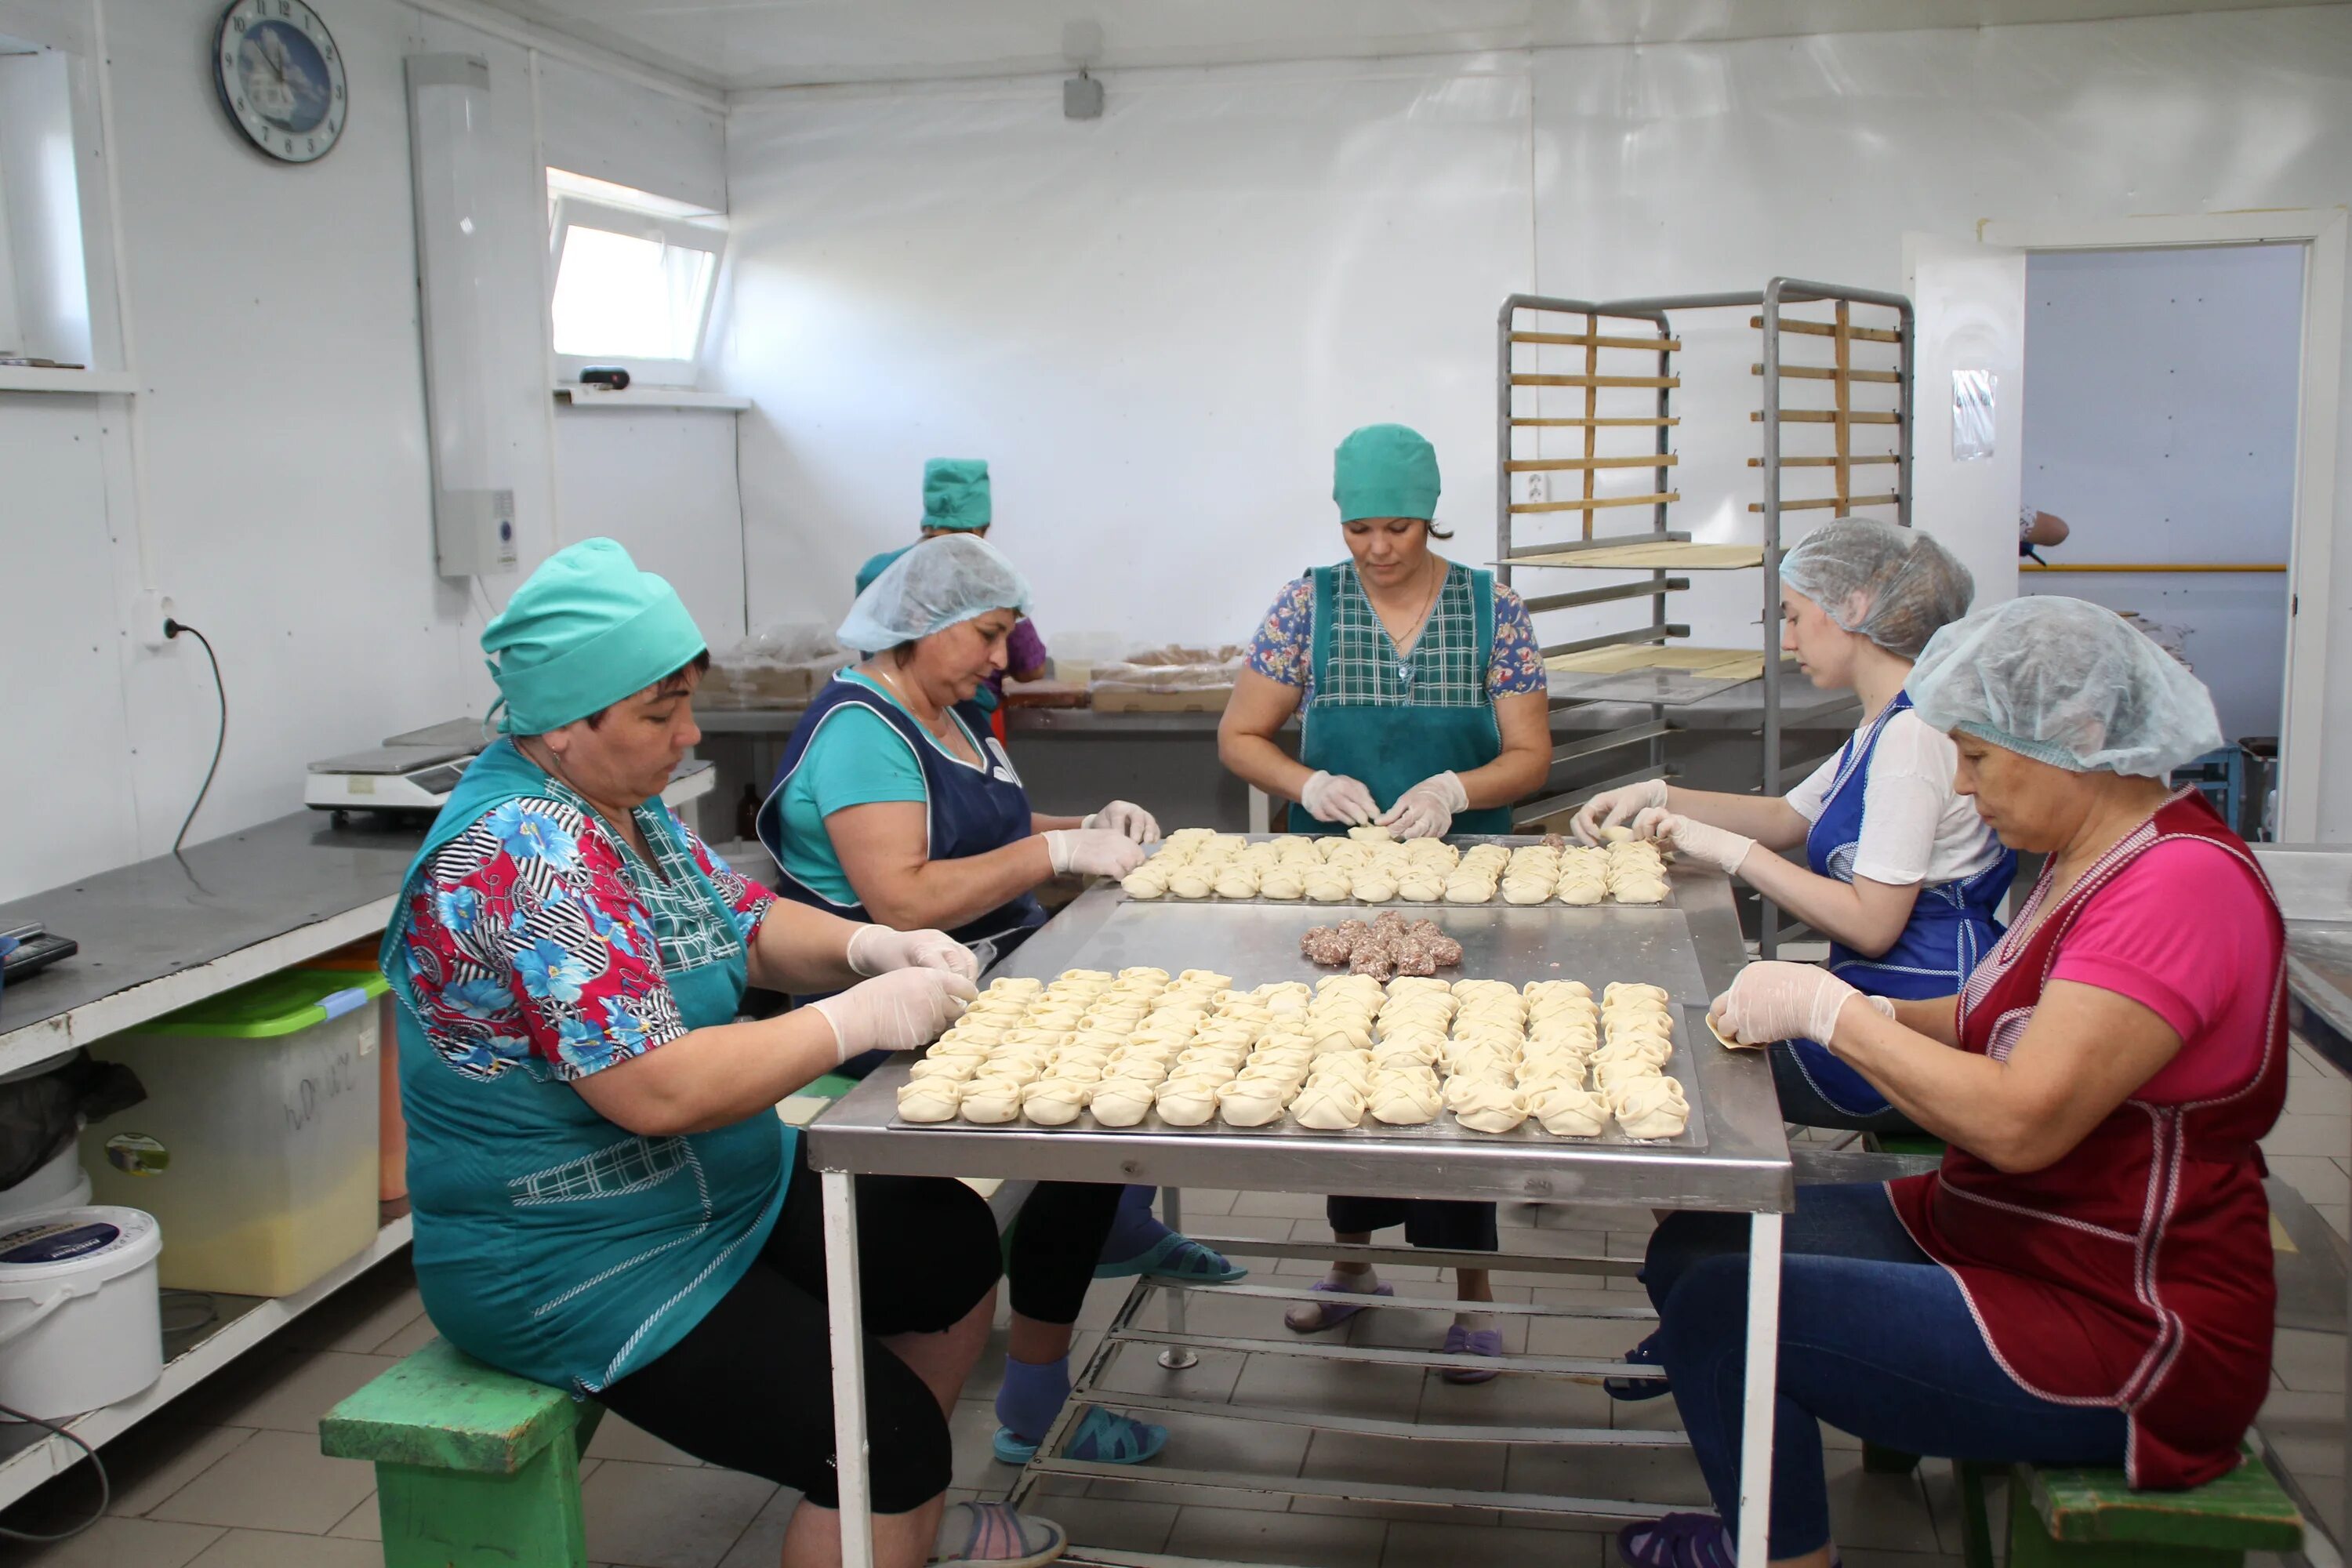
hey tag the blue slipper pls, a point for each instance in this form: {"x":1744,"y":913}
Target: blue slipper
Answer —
{"x":1314,"y":1317}
{"x":1460,"y":1341}
{"x":1176,"y":1256}
{"x":1100,"y":1438}
{"x":1633,"y":1390}
{"x":1676,"y":1540}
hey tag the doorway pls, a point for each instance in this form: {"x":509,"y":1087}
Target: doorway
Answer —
{"x":2161,"y":428}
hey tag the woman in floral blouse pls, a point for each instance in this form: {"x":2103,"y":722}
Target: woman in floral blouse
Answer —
{"x":604,"y":1197}
{"x":1425,"y":710}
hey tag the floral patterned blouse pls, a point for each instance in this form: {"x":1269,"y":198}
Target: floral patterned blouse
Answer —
{"x":536,"y":938}
{"x":1284,"y":648}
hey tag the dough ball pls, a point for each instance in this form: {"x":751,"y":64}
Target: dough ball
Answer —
{"x":1185,"y":1105}
{"x":1638,"y":889}
{"x":1372,"y":832}
{"x":1373,"y":886}
{"x":1237,"y":882}
{"x":1462,"y":889}
{"x":1526,"y":888}
{"x":1052,"y":1101}
{"x":1485,"y":1106}
{"x":1121,"y":1102}
{"x":990,"y":1101}
{"x":1566,"y":1111}
{"x":1329,"y":885}
{"x":1284,"y":883}
{"x":1252,"y":1103}
{"x":930,"y":1100}
{"x":1654,"y":1049}
{"x":1144,"y":884}
{"x":1649,"y":1107}
{"x":1328,"y":1107}
{"x":1191,"y":882}
{"x":1400,"y":1100}
{"x":1610,"y":1076}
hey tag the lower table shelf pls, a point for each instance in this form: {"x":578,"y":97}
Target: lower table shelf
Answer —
{"x":31,"y":1454}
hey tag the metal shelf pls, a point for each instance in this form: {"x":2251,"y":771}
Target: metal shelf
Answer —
{"x":43,"y":1455}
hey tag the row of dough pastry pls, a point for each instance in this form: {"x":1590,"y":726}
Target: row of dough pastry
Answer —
{"x":1189,"y":1048}
{"x":1421,"y":871}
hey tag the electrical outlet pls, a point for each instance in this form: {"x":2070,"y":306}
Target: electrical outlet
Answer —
{"x":148,"y":613}
{"x":1534,"y":488}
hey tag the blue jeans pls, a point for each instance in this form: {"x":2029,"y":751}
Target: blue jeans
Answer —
{"x":1875,"y":1339}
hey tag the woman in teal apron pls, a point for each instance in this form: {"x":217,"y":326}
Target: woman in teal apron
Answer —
{"x":895,"y":805}
{"x":1900,"y":873}
{"x":604,"y":1197}
{"x":1422,"y":697}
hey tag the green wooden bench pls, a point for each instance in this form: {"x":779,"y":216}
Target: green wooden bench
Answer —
{"x":475,"y":1468}
{"x":2062,"y":1518}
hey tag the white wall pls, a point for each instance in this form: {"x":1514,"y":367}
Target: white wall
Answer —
{"x":1155,"y":326}
{"x":2162,"y":427}
{"x":280,"y":455}
{"x":663,"y":483}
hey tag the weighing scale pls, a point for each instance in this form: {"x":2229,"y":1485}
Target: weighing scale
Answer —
{"x":412,"y":775}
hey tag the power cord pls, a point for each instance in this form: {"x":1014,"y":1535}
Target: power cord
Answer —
{"x":172,"y":628}
{"x":105,"y":1488}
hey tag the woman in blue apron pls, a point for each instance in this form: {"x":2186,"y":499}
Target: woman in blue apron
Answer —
{"x":604,"y":1199}
{"x":1900,"y":873}
{"x":1424,"y":711}
{"x":895,"y":805}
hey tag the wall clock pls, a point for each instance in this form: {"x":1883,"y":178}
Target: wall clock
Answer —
{"x":281,"y":79}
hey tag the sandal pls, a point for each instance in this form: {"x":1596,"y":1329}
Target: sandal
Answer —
{"x":1176,"y":1256}
{"x":1460,"y":1341}
{"x":1633,"y":1390}
{"x":993,"y":1533}
{"x":1677,"y":1540}
{"x":1100,"y":1437}
{"x":1314,"y":1317}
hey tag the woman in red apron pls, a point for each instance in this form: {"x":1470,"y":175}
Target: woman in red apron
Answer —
{"x":2087,"y":1279}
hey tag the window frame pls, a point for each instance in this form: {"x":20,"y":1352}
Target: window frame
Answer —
{"x":571,"y":212}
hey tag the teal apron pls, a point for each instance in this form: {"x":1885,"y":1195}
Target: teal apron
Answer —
{"x":1390,"y":720}
{"x":548,"y":1240}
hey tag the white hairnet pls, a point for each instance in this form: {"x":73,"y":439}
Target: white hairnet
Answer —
{"x":939,"y":582}
{"x":2066,"y":683}
{"x":1895,"y":586}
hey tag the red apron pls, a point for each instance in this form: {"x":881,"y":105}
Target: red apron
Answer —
{"x":2135,"y":1273}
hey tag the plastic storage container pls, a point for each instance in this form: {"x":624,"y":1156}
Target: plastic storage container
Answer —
{"x":80,"y":1320}
{"x":390,"y":1127}
{"x":257,"y":1147}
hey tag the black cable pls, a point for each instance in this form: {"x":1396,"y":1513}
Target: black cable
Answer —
{"x":105,"y":1488}
{"x":171,"y":630}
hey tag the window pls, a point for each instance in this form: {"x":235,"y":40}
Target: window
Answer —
{"x":634,"y":274}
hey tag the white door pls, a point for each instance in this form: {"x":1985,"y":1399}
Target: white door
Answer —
{"x":1969,"y":402}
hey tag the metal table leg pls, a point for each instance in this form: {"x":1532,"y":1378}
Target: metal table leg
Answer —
{"x":1261,"y":811}
{"x":1763,"y":1387}
{"x":1175,"y":1358}
{"x":848,"y":1320}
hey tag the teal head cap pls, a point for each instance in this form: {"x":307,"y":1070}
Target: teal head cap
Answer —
{"x":584,"y":631}
{"x":955,"y":494}
{"x":1385,"y":470}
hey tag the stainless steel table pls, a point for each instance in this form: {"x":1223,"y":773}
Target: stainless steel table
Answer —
{"x":1734,"y":1158}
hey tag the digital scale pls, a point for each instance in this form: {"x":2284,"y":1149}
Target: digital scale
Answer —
{"x":414,"y":773}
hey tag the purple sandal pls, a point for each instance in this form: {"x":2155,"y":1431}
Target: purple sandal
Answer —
{"x":1460,"y":1341}
{"x":1677,"y":1540}
{"x":1314,"y":1317}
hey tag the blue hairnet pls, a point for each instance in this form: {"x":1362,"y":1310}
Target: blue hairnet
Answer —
{"x":1895,"y":586}
{"x":2066,"y":683}
{"x":932,"y":587}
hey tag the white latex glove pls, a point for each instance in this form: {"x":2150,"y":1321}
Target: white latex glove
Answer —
{"x":1126,"y":816}
{"x":1092,"y":852}
{"x":899,"y":1011}
{"x":1615,"y":807}
{"x":1783,"y":1002}
{"x":1336,"y":797}
{"x":1426,"y":810}
{"x":878,"y":949}
{"x":1672,"y":830}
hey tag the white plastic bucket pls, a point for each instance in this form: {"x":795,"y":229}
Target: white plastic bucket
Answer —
{"x":62,"y":1183}
{"x":81,"y":1313}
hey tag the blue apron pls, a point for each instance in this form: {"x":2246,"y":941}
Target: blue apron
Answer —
{"x":1952,"y":924}
{"x":550,"y":1241}
{"x":1390,"y":720}
{"x":971,"y":810}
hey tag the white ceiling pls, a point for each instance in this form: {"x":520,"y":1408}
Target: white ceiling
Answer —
{"x":746,"y":44}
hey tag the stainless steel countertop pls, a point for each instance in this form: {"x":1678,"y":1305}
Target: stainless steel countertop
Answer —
{"x":1734,"y":1157}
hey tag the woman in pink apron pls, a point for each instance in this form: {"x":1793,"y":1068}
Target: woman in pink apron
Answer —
{"x":2088,"y":1278}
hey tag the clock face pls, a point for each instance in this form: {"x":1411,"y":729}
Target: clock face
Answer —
{"x":282,"y":78}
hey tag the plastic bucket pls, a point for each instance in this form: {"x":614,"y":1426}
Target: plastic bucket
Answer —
{"x":81,"y":1314}
{"x":62,"y":1183}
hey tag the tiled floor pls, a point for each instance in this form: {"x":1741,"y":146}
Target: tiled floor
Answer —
{"x":232,"y":1478}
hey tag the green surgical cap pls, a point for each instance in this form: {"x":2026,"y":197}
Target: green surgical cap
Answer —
{"x":955,"y":493}
{"x":1385,"y":470}
{"x":586,"y":630}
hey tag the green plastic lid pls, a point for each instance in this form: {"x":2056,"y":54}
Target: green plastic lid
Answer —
{"x":283,"y":1003}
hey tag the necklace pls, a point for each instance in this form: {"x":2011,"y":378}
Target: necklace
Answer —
{"x":943,"y":726}
{"x":1405,"y":660}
